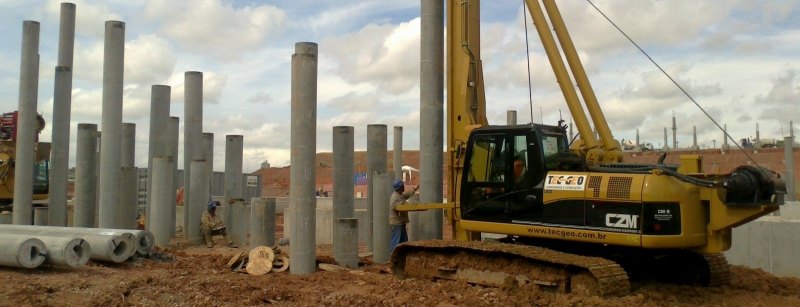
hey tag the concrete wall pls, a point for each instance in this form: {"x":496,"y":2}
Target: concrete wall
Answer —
{"x":282,"y":203}
{"x":324,"y":224}
{"x":770,"y":243}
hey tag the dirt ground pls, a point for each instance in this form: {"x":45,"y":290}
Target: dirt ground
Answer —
{"x":196,"y":275}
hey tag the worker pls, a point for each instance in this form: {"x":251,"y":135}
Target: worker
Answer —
{"x":399,"y":219}
{"x":520,"y":172}
{"x":212,"y":225}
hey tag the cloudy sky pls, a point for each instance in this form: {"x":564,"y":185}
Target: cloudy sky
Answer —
{"x":739,"y":59}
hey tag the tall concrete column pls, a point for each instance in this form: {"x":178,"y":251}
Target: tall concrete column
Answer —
{"x":40,"y":216}
{"x":637,"y":138}
{"x":192,"y":129}
{"x":674,"y":133}
{"x":207,"y":149}
{"x":431,"y":126}
{"x":62,"y":106}
{"x":380,"y":217}
{"x":66,"y":34}
{"x":343,"y":187}
{"x":694,"y":138}
{"x":725,"y":145}
{"x":128,"y":145}
{"x":111,"y":125}
{"x":234,"y":191}
{"x":791,"y":193}
{"x":348,"y":238}
{"x":129,"y":198}
{"x":160,"y":135}
{"x":85,"y":200}
{"x":197,"y":200}
{"x":758,"y":138}
{"x":26,"y":124}
{"x":397,"y":153}
{"x":511,"y":117}
{"x":262,"y":221}
{"x":172,"y":144}
{"x":666,"y":147}
{"x":59,"y":159}
{"x":304,"y":148}
{"x":128,"y":180}
{"x":162,"y":200}
{"x":376,"y":163}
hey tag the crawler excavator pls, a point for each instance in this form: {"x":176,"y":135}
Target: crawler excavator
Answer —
{"x":578,"y":220}
{"x":8,"y":153}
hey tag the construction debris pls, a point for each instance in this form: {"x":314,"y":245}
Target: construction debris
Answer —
{"x":261,"y":260}
{"x":331,"y":267}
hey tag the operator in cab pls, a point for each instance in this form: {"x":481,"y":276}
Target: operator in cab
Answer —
{"x":212,"y":225}
{"x":399,"y":219}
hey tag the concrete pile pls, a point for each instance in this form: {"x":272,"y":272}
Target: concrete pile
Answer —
{"x":29,"y":246}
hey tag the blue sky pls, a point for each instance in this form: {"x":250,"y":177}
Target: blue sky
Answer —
{"x":739,"y":59}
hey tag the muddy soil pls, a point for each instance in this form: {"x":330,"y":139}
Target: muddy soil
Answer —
{"x":198,"y":276}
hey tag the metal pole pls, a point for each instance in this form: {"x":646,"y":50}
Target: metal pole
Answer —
{"x":111,"y":125}
{"x":85,"y":201}
{"x":26,"y":125}
{"x":303,"y":148}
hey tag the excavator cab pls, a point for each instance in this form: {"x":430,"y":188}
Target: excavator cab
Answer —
{"x":505,"y":169}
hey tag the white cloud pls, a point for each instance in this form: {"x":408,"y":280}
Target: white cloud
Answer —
{"x":215,"y":27}
{"x":148,"y":60}
{"x":386,"y":55}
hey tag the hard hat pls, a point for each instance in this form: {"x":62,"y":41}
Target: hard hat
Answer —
{"x":397,"y":184}
{"x":212,"y":205}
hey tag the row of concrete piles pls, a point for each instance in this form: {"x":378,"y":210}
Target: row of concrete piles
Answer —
{"x":106,"y":183}
{"x":425,"y":225}
{"x":197,"y":164}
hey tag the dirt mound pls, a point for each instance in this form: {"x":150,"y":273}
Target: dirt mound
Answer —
{"x":198,"y":276}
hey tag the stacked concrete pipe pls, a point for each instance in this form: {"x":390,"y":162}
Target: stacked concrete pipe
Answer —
{"x":144,"y":241}
{"x":112,"y":245}
{"x":70,"y":251}
{"x":21,"y":251}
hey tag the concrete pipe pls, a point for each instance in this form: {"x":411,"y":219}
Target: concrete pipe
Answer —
{"x":140,"y":241}
{"x":111,"y":248}
{"x":21,"y":251}
{"x":66,"y":251}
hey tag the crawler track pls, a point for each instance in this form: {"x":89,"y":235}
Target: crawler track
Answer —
{"x":719,"y":270}
{"x":498,"y":264}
